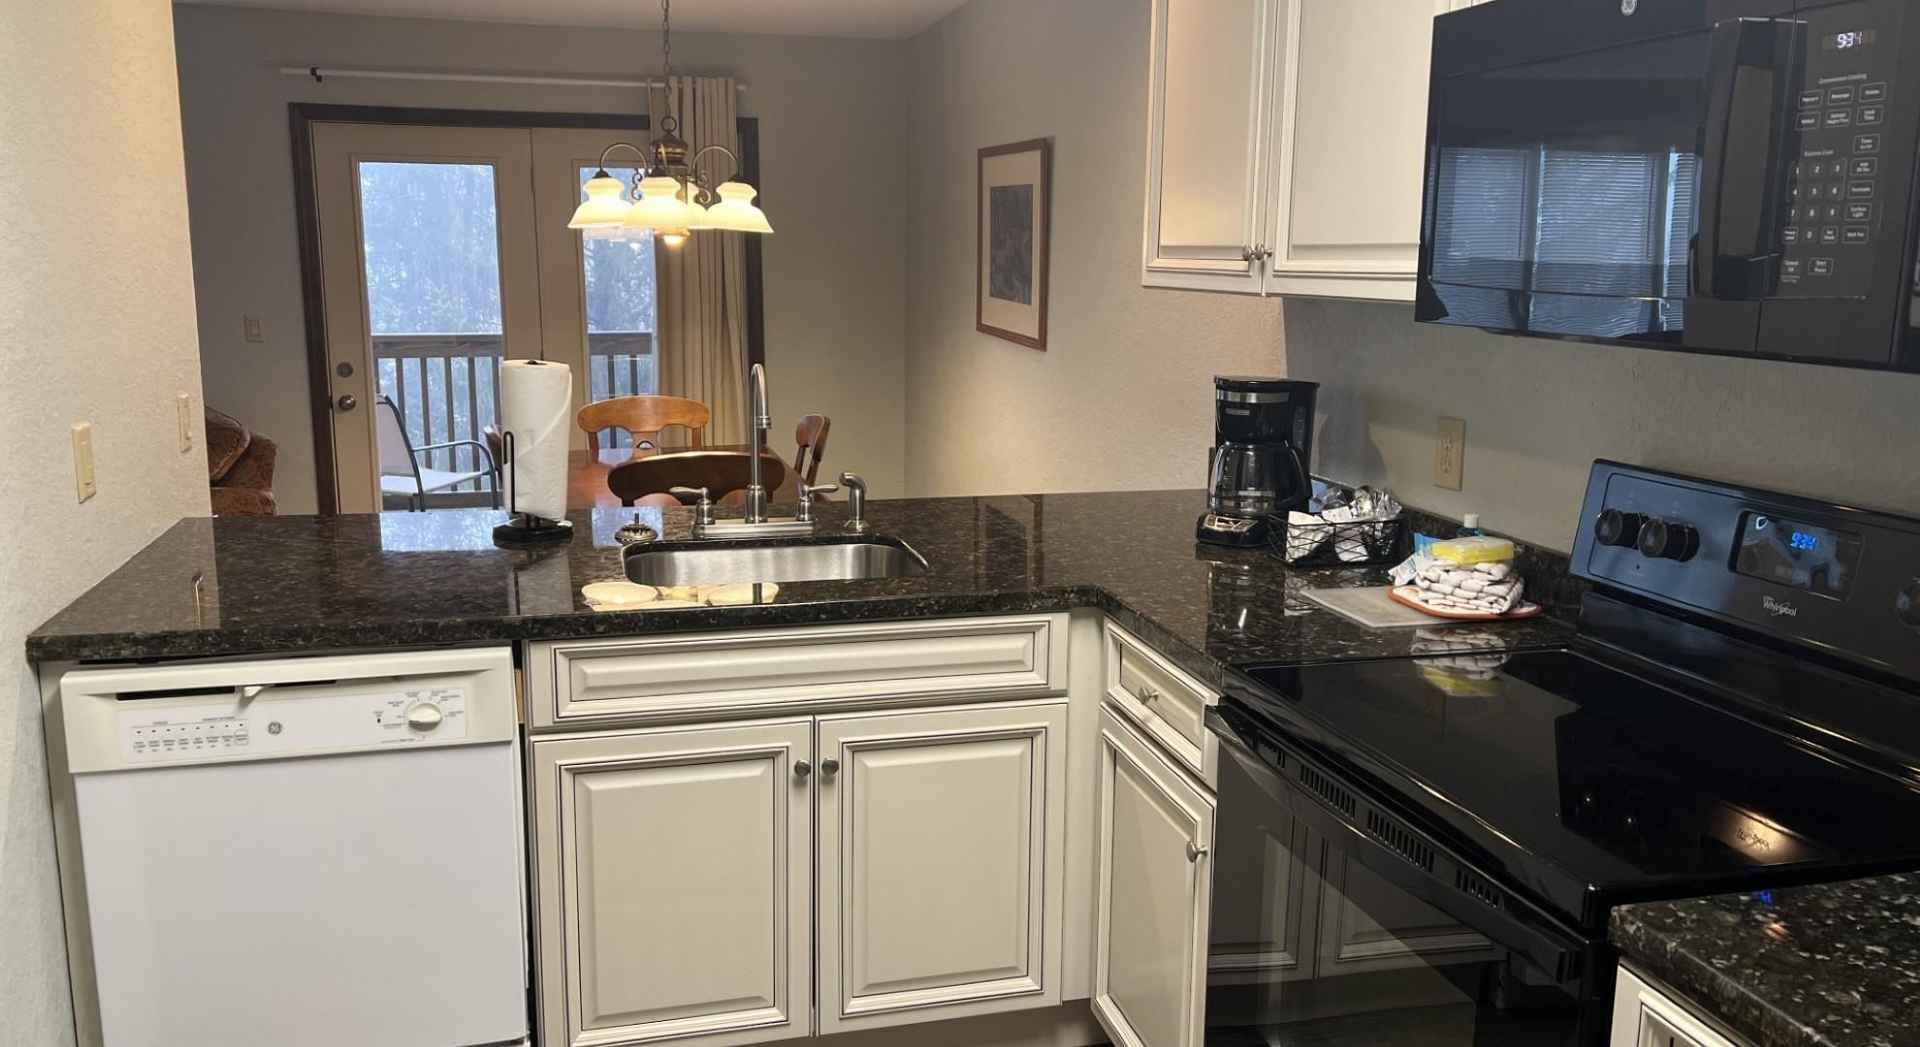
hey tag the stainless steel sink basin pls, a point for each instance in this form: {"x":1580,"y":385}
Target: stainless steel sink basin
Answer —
{"x":801,"y":560}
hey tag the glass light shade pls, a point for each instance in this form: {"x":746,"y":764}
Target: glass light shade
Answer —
{"x":660,"y":207}
{"x":605,"y":208}
{"x":735,"y":212}
{"x":675,"y":237}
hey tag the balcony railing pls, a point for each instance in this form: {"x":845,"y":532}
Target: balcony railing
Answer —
{"x":447,"y":386}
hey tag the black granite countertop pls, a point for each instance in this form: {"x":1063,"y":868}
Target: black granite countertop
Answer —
{"x":1834,"y":965}
{"x":261,"y":585}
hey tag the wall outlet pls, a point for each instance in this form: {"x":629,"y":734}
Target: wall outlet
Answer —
{"x":84,"y":486}
{"x":1450,"y":453}
{"x":183,"y":414}
{"x":253,"y":329}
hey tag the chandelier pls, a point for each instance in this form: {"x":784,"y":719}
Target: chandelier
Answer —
{"x":670,"y":196}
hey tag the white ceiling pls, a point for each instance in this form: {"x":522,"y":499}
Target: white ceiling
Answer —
{"x":869,"y":18}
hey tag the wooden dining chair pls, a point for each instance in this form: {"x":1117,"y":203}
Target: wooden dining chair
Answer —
{"x":644,"y":417}
{"x":720,"y":472}
{"x":810,"y":439}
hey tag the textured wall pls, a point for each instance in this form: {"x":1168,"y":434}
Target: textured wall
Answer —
{"x":96,"y":322}
{"x":1122,"y":398}
{"x":1539,"y":412}
{"x":832,"y":162}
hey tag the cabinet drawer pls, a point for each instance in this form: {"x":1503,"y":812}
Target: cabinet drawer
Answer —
{"x":747,"y":672}
{"x":1163,"y":700}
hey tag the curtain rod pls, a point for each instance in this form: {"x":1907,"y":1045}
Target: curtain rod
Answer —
{"x":321,"y":72}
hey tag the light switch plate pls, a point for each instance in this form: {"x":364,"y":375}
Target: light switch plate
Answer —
{"x":252,"y":329}
{"x":84,"y":486}
{"x":1450,"y":453}
{"x":183,"y":413}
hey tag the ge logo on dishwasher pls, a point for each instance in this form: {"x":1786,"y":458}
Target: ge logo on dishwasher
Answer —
{"x":273,"y":727}
{"x":1628,"y":7}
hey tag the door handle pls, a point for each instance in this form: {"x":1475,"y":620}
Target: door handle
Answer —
{"x":1751,"y":81}
{"x":346,"y":403}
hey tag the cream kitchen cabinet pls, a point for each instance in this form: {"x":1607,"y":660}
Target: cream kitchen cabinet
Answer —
{"x":1313,"y":145}
{"x":679,"y":872}
{"x":1206,"y":157}
{"x":674,"y":875}
{"x":941,"y":863}
{"x":1644,"y":1016}
{"x":1153,"y":886}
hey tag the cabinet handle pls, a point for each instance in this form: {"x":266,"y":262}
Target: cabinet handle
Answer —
{"x":801,"y":769}
{"x":1147,"y":694}
{"x":828,"y":768}
{"x":1195,"y":852}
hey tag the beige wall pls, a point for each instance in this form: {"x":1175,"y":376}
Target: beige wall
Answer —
{"x":96,"y":323}
{"x":1539,"y":412}
{"x":1122,"y":397}
{"x":831,"y":113}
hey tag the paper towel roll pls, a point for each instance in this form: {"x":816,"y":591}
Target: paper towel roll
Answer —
{"x":536,"y":398}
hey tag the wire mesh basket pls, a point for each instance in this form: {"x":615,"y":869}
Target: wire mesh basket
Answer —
{"x":1342,"y":544}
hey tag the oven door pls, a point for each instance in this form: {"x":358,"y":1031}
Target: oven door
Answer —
{"x":1714,"y":175}
{"x":1336,"y":922}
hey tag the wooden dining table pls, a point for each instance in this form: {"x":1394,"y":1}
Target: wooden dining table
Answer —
{"x":587,"y":474}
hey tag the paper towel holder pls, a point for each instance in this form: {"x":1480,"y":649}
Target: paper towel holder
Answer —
{"x":525,"y":529}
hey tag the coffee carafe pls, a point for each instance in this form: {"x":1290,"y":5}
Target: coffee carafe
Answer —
{"x":1257,"y":469}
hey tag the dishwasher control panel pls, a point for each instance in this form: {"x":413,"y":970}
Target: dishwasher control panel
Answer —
{"x":267,"y":724}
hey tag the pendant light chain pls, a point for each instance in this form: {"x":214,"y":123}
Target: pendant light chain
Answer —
{"x":668,"y":123}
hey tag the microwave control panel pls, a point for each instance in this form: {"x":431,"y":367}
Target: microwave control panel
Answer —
{"x":1836,"y":208}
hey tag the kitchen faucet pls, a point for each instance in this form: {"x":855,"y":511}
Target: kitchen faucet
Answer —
{"x":754,"y":521}
{"x":759,"y":420}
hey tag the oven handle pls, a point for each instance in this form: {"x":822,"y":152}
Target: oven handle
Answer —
{"x":1737,"y":262}
{"x":1513,"y":923}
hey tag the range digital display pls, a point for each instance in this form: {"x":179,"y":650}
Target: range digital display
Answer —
{"x":1814,"y":559}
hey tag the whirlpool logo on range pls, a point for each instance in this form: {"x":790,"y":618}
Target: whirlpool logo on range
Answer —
{"x":1779,"y":608}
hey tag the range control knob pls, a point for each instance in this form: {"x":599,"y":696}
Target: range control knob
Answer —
{"x":1667,"y":540}
{"x":1906,"y":606}
{"x":1613,"y":527}
{"x":424,"y":717}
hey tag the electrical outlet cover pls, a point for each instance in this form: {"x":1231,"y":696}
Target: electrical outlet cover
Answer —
{"x":1449,"y":454}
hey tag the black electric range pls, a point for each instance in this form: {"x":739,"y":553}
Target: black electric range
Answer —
{"x":1739,"y":710}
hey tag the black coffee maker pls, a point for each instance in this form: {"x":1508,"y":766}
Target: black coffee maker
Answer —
{"x":1257,"y":470}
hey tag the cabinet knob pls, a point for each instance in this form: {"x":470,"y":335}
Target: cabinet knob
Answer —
{"x":829,"y":768}
{"x":1147,"y":695}
{"x":1195,"y":852}
{"x":801,"y":769}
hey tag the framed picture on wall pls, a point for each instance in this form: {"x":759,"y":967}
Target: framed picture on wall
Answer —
{"x":1015,"y":230}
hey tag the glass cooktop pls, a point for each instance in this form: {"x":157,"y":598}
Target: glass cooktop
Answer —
{"x":1588,"y":784}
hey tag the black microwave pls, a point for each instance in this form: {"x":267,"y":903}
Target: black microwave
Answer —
{"x":1720,"y":176}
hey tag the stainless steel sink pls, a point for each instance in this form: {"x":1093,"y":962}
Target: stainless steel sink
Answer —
{"x":808,"y":560}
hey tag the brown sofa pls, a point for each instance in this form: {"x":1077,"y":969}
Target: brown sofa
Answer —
{"x":239,"y":467}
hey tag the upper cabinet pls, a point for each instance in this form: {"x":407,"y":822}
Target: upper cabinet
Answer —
{"x":1205,"y":168}
{"x":1284,"y":145}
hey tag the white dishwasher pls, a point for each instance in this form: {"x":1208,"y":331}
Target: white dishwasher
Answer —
{"x":304,"y":851}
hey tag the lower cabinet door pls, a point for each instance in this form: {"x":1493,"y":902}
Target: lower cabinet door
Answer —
{"x":672,"y":878}
{"x":941,"y":857}
{"x":1153,"y":884}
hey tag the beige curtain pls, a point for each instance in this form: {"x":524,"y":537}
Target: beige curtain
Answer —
{"x":702,"y":295}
